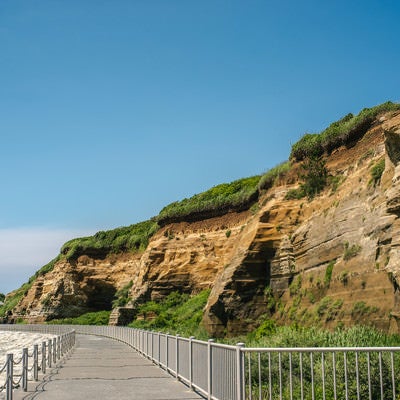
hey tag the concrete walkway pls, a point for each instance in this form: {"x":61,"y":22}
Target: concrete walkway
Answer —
{"x":101,"y":368}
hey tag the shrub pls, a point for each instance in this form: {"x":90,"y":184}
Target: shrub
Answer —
{"x":235,"y":196}
{"x":266,"y":328}
{"x":377,"y":171}
{"x":315,"y":176}
{"x":341,"y":132}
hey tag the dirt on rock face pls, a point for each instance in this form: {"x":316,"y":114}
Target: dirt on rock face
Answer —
{"x":331,"y":261}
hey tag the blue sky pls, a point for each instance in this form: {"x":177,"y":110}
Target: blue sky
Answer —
{"x":110,"y":110}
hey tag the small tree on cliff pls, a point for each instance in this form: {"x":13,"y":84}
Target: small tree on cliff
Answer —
{"x":315,"y":176}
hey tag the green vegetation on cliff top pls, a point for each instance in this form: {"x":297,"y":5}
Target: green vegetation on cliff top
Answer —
{"x":346,"y":130}
{"x":131,"y":238}
{"x":235,"y":196}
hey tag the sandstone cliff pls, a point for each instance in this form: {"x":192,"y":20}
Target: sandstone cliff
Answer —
{"x":331,"y":260}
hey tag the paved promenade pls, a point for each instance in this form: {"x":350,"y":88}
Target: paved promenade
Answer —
{"x":102,"y":368}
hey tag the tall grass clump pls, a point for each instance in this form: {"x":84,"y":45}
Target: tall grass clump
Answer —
{"x":238,"y":195}
{"x":131,"y":238}
{"x":273,"y":175}
{"x":342,"y":132}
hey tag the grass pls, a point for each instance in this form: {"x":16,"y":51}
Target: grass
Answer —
{"x":342,"y":132}
{"x":238,"y":195}
{"x":91,"y":318}
{"x":177,"y":313}
{"x":131,"y":238}
{"x":269,"y":179}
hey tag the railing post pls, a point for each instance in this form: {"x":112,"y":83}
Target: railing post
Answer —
{"x":239,"y":372}
{"x":159,"y":348}
{"x":9,"y":379}
{"x":58,"y":347}
{"x":49,"y":351}
{"x":35,"y":362}
{"x":166,"y":350}
{"x":152,"y":345}
{"x":177,"y":357}
{"x":43,"y":357}
{"x":191,"y":362}
{"x":54,"y":350}
{"x":209,"y":368}
{"x":25,"y":369}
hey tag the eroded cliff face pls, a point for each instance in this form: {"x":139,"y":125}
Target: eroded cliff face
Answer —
{"x":329,"y":261}
{"x":333,"y":260}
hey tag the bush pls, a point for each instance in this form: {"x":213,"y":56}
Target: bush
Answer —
{"x":238,"y":195}
{"x":315,"y":176}
{"x":377,"y":171}
{"x":342,"y":132}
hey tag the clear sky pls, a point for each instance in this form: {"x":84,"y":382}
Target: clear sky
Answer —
{"x":110,"y":110}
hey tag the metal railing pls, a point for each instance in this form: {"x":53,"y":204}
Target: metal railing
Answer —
{"x":17,"y":371}
{"x":225,"y":372}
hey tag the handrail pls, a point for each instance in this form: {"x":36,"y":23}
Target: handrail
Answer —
{"x":61,"y":346}
{"x":228,"y":372}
